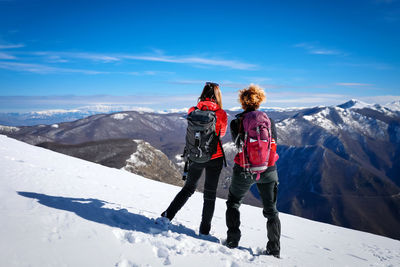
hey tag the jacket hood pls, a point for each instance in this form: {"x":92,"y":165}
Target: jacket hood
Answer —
{"x":203,"y":105}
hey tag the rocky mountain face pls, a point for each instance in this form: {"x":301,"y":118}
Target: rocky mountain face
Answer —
{"x":338,"y":164}
{"x":154,"y":164}
{"x":136,"y":156}
{"x":112,"y":152}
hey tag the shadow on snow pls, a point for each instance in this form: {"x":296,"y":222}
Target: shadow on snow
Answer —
{"x":93,"y":210}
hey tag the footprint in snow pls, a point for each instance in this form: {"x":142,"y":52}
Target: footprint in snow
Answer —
{"x":163,"y":253}
{"x":126,"y":263}
{"x":233,"y":264}
{"x":126,"y":236}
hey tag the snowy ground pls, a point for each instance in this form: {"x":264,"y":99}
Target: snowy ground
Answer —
{"x":57,"y":210}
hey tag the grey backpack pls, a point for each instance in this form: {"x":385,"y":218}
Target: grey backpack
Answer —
{"x":201,"y":138}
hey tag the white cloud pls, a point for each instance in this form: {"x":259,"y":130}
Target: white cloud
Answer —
{"x":57,"y":59}
{"x":301,"y":99}
{"x":380,"y":99}
{"x":257,"y":80}
{"x":316,"y":50}
{"x":188,"y":82}
{"x":96,"y":57}
{"x":144,"y":101}
{"x":354,"y":84}
{"x":6,"y":56}
{"x":160,"y":102}
{"x":235,"y":85}
{"x":88,"y":56}
{"x":146,"y":73}
{"x":193,"y":60}
{"x":45,"y":69}
{"x":42,"y":69}
{"x":320,"y":51}
{"x":296,"y":99}
{"x":11,"y":46}
{"x":374,"y":65}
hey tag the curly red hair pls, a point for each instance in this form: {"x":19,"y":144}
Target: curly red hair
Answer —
{"x":251,"y":97}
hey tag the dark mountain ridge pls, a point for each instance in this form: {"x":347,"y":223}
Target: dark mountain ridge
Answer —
{"x":346,"y":169}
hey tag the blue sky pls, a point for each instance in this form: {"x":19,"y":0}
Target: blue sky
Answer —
{"x":158,"y":54}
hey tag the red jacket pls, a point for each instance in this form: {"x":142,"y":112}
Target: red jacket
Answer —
{"x":221,"y":124}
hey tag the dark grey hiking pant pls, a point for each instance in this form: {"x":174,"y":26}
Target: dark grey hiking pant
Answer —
{"x":268,"y":187}
{"x":213,"y":169}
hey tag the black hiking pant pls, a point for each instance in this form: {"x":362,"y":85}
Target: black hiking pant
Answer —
{"x":268,"y":188}
{"x":213,"y":169}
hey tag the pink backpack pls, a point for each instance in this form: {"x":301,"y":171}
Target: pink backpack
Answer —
{"x":258,"y":149}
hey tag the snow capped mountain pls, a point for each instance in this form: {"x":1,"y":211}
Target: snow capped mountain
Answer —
{"x":394,"y":106}
{"x":58,"y":210}
{"x":90,"y":110}
{"x":238,"y":109}
{"x":391,"y":109}
{"x":67,"y":115}
{"x":333,"y":156}
{"x":151,"y":127}
{"x":120,"y":116}
{"x":329,"y":157}
{"x":354,"y":103}
{"x":335,"y":119}
{"x":174,"y":110}
{"x":8,"y":129}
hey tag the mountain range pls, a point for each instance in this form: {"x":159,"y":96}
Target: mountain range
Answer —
{"x":64,"y":115}
{"x":338,"y":164}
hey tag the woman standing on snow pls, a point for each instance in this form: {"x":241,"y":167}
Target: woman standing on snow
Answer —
{"x":267,"y":181}
{"x":211,"y":100}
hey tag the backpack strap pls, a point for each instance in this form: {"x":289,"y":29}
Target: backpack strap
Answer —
{"x":185,"y":170}
{"x":244,"y":154}
{"x":240,"y":130}
{"x":222,"y":149}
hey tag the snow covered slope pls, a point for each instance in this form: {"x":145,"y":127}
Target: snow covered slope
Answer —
{"x":395,"y":106}
{"x":58,"y":210}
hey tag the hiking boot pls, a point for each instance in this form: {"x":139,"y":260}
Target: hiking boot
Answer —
{"x":276,"y":254}
{"x":163,"y":221}
{"x":204,"y":228}
{"x":167,"y":215}
{"x":232,"y":242}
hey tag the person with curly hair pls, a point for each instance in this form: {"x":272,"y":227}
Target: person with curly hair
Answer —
{"x":267,"y":184}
